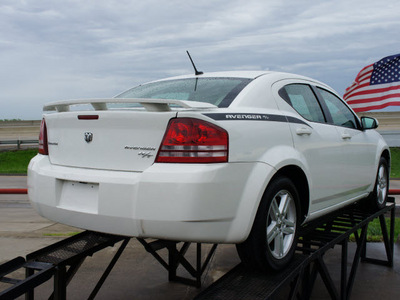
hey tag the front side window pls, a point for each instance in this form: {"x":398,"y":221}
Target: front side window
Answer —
{"x":302,"y":99}
{"x":341,"y":114}
{"x":218,"y":91}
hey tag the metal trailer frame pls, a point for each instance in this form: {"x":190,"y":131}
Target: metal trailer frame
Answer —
{"x":316,"y":238}
{"x":176,"y":257}
{"x":63,"y":259}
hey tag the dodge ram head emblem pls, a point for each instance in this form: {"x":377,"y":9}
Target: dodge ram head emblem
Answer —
{"x":88,"y":137}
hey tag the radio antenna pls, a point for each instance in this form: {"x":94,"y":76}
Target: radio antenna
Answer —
{"x":195,"y":69}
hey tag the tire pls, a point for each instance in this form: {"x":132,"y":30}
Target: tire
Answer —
{"x":377,"y":199}
{"x":273,"y":238}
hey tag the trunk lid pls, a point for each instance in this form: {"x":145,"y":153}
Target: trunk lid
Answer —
{"x":107,"y":140}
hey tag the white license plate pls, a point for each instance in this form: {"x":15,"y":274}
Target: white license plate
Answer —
{"x":79,"y":196}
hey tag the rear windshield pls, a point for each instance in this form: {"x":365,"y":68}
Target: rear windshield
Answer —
{"x":218,"y":91}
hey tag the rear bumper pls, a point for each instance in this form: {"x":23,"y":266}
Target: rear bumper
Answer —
{"x":203,"y":203}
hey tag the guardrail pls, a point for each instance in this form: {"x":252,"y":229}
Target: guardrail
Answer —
{"x":19,"y":142}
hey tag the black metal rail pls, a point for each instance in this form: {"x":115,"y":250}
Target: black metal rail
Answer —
{"x":316,"y":239}
{"x":61,"y":260}
{"x":176,"y":258}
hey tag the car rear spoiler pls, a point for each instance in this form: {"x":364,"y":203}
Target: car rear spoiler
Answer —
{"x":155,"y":105}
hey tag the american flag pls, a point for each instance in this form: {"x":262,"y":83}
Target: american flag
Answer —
{"x":376,"y":86}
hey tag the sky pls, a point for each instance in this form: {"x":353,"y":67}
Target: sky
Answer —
{"x":65,"y":49}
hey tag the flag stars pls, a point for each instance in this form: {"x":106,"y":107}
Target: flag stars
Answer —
{"x":385,"y":71}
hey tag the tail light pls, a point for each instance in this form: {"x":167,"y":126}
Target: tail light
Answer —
{"x":43,"y":145}
{"x":190,"y":140}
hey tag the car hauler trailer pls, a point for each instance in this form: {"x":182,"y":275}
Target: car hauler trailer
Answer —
{"x":62,"y":260}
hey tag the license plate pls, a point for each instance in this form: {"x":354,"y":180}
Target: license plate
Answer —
{"x":79,"y":196}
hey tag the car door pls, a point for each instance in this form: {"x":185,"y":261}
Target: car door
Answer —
{"x":316,"y":141}
{"x":358,"y":147}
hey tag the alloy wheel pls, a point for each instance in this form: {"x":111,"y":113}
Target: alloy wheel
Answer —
{"x":281,"y":224}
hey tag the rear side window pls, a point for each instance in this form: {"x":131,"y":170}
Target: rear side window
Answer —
{"x":302,"y":99}
{"x":218,"y":91}
{"x":341,"y":114}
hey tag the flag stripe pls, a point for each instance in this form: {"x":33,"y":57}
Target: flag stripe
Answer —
{"x":359,"y":83}
{"x":366,"y":75}
{"x":373,"y":90}
{"x":375,"y":107}
{"x":358,"y":87}
{"x":374,"y":99}
{"x":365,"y":70}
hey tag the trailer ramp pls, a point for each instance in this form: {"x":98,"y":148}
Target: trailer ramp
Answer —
{"x":61,"y":261}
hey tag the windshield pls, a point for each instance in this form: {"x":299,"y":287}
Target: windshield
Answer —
{"x":217,"y":91}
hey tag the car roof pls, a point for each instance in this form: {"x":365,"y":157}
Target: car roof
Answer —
{"x":273,"y":75}
{"x":237,"y":74}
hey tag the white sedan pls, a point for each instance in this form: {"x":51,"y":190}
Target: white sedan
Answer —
{"x":230,"y":157}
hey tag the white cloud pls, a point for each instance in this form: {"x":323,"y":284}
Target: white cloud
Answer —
{"x":53,"y":50}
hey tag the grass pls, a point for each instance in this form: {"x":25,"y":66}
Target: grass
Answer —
{"x":16,"y":162}
{"x":395,"y":166}
{"x":8,"y":120}
{"x":374,"y":233}
{"x":62,"y":234}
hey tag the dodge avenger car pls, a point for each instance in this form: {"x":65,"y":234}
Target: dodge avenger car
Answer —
{"x":228,"y":157}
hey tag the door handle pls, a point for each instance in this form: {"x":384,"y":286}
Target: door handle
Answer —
{"x":346,"y":136}
{"x":303,"y":131}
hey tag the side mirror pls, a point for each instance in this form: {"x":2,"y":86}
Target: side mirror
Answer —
{"x":369,"y":123}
